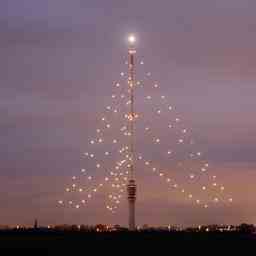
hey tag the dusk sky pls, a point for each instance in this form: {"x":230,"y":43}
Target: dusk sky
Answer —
{"x":59,"y":59}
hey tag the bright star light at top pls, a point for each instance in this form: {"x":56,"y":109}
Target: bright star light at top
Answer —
{"x":131,"y":39}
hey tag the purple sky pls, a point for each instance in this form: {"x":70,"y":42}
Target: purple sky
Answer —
{"x":59,"y":59}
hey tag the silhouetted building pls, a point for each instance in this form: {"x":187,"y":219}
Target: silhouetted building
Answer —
{"x":35,"y":224}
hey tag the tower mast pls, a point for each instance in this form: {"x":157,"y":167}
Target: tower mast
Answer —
{"x":131,"y":187}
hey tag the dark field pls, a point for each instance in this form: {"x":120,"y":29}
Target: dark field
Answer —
{"x":88,"y":243}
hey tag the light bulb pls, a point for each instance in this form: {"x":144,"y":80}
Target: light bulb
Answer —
{"x":131,"y":39}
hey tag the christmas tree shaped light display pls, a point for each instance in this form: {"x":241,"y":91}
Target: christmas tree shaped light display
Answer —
{"x":139,"y":130}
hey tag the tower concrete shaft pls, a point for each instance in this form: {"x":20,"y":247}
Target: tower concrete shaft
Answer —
{"x":131,"y":187}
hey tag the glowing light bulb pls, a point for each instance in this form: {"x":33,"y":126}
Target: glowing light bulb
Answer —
{"x":108,"y":107}
{"x":106,"y":153}
{"x":169,"y":126}
{"x":114,"y":141}
{"x":122,"y":73}
{"x":192,"y":176}
{"x":108,"y":125}
{"x":230,"y":200}
{"x":222,"y":188}
{"x":184,"y":130}
{"x":89,"y":177}
{"x":157,"y":140}
{"x":177,"y":120}
{"x":74,"y":177}
{"x":67,"y":189}
{"x":131,"y":39}
{"x":148,"y":97}
{"x":92,"y":141}
{"x":80,"y":190}
{"x":175,"y":185}
{"x":98,"y":165}
{"x":198,"y":153}
{"x":147,"y":128}
{"x":198,"y":201}
{"x":83,"y":201}
{"x":146,"y":163}
{"x":86,"y":153}
{"x":155,"y":85}
{"x":203,"y":188}
{"x":190,"y":195}
{"x":91,"y":155}
{"x":162,"y":97}
{"x":106,"y":178}
{"x":60,"y":202}
{"x":123,"y":128}
{"x":216,"y":200}
{"x":141,"y":63}
{"x":205,"y":206}
{"x":117,"y":85}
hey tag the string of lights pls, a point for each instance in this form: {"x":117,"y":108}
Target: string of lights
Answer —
{"x":169,"y":150}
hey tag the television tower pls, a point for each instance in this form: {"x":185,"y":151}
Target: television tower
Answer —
{"x":131,"y":186}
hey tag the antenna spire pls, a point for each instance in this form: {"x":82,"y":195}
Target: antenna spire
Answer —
{"x":131,"y":187}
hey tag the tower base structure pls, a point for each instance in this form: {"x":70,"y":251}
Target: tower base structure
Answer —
{"x":131,"y":190}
